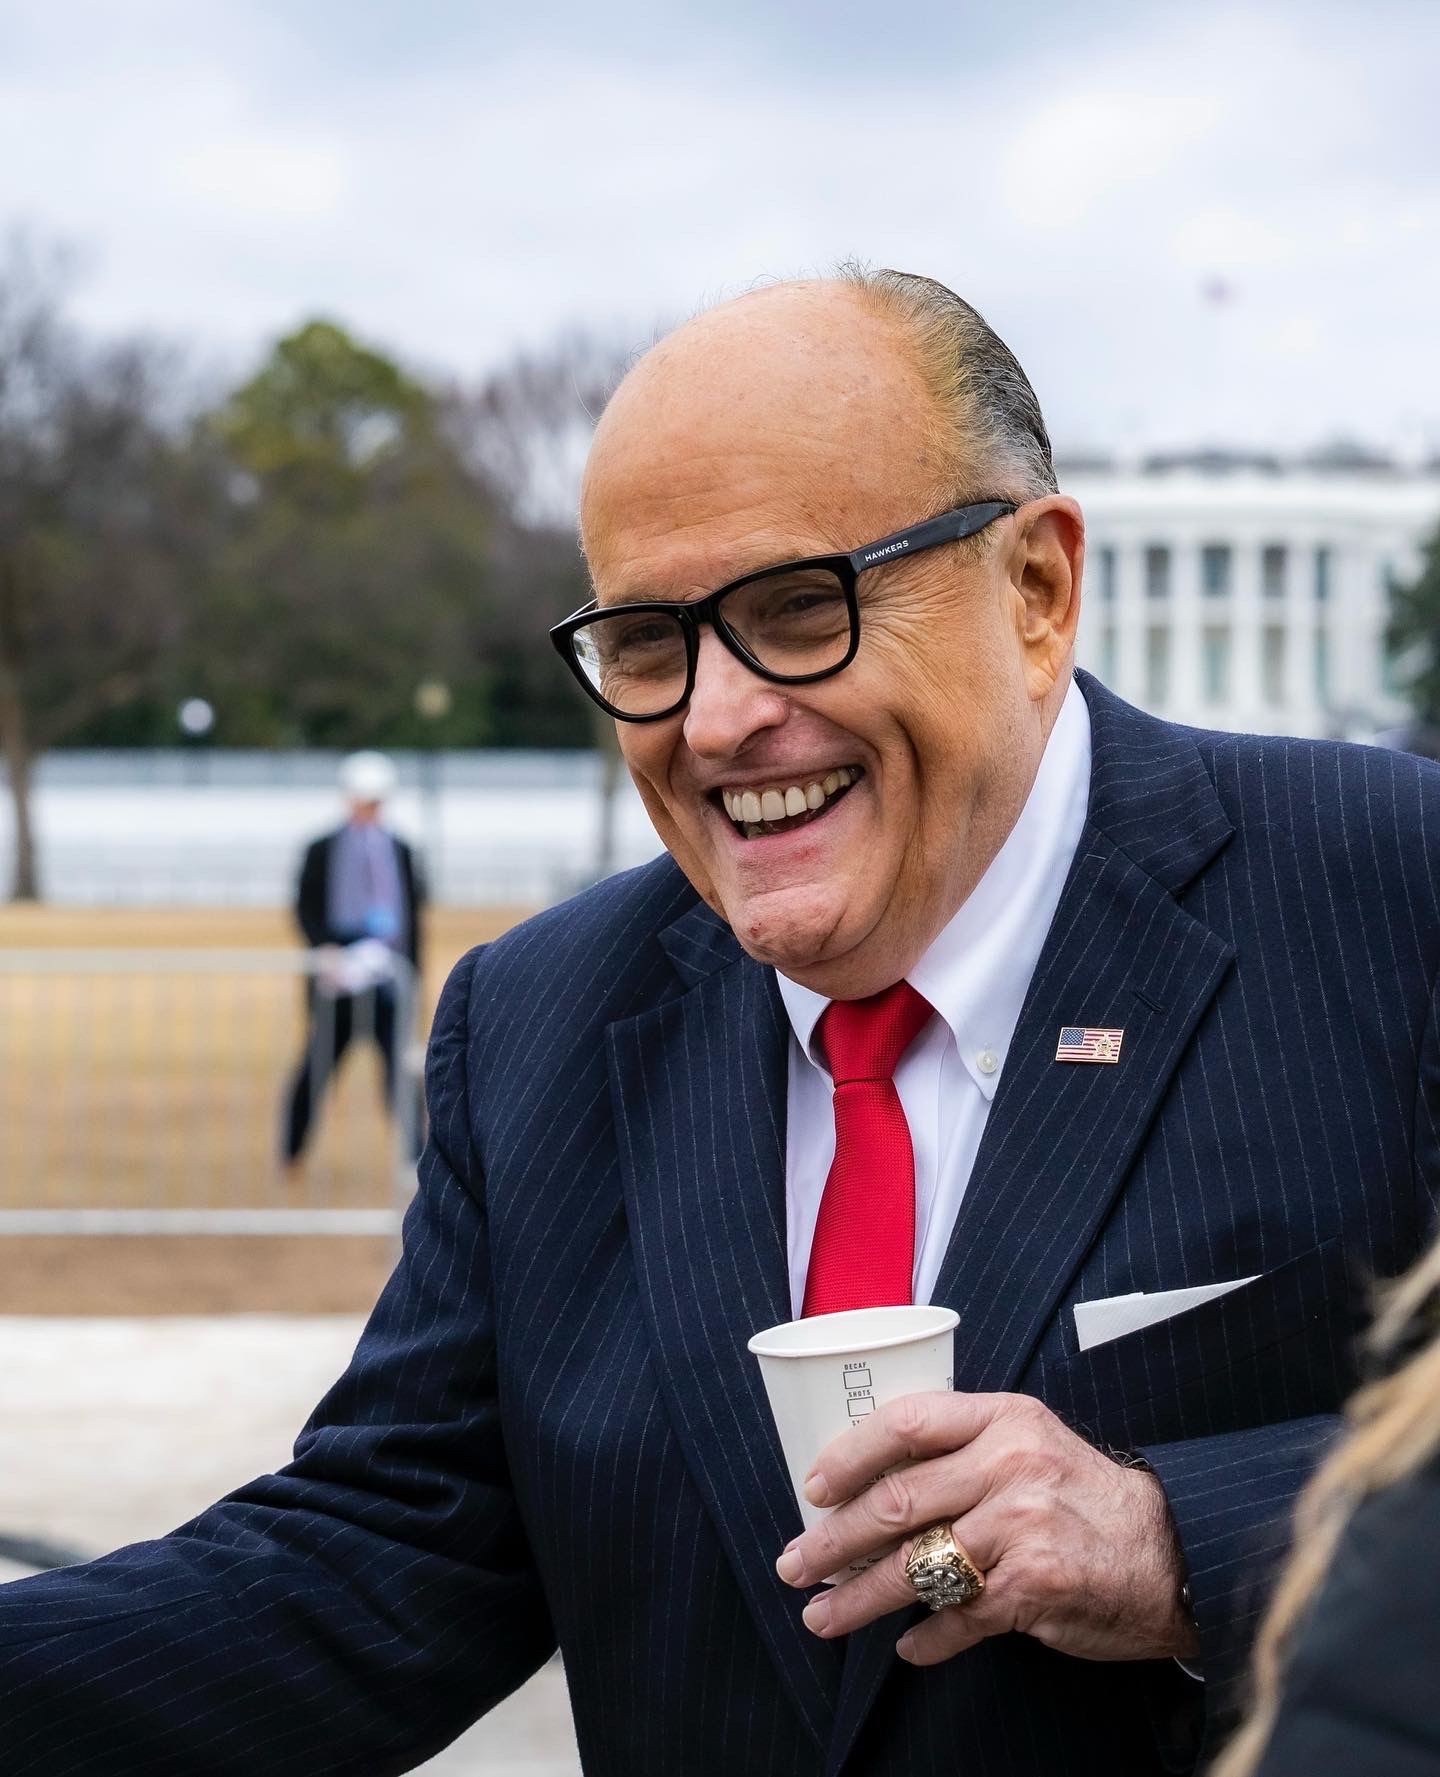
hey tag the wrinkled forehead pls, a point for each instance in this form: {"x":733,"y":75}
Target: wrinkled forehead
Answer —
{"x":790,"y":422}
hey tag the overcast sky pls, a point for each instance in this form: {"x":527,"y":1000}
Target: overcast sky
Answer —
{"x":457,"y":180}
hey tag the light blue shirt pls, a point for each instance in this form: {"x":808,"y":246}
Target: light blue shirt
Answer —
{"x":366,"y":896}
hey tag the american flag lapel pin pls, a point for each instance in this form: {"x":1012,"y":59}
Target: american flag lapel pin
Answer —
{"x":1082,"y":1043}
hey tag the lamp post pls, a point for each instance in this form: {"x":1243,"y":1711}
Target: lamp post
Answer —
{"x":432,"y":705}
{"x":196,"y":717}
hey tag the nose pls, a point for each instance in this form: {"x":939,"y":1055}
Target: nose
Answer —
{"x":729,"y":704}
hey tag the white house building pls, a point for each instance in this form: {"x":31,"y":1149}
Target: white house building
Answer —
{"x":1234,"y":591}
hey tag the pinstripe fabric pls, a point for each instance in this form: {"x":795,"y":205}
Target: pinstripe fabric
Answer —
{"x":551,"y":1429}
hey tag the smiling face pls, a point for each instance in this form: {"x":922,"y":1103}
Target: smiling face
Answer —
{"x":836,"y":826}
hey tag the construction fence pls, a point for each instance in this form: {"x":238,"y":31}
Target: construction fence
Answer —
{"x":148,"y":1091}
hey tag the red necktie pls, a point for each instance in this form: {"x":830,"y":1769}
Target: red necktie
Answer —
{"x":863,"y":1253}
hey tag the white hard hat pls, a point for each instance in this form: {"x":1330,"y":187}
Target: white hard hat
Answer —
{"x":367,"y":777}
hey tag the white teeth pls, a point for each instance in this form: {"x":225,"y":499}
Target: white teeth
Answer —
{"x":749,"y":808}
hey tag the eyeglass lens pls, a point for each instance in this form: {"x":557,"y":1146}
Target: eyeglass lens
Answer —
{"x":793,"y":624}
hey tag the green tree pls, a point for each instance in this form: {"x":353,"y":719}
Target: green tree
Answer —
{"x":358,"y":563}
{"x":1415,"y":633}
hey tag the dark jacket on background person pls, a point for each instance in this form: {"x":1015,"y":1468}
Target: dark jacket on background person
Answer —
{"x":312,"y":905}
{"x":552,"y":1433}
{"x":1362,"y":1683}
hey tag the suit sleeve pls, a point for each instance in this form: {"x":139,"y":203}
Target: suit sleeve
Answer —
{"x":351,"y":1613}
{"x":419,"y":895}
{"x":310,"y":912}
{"x":1233,"y":1496}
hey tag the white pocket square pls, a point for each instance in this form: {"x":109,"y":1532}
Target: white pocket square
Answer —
{"x":1111,"y":1317}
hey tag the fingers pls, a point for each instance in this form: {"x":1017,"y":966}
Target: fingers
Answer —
{"x":916,"y":1426}
{"x":894,"y":1509}
{"x":884,"y":1588}
{"x":944,"y":1633}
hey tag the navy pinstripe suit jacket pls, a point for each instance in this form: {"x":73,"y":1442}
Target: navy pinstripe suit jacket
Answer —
{"x":551,"y":1430}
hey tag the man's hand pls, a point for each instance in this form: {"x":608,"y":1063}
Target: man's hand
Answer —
{"x":1077,"y":1550}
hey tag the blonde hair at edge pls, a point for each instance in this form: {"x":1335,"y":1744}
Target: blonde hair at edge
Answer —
{"x":1393,"y":1429}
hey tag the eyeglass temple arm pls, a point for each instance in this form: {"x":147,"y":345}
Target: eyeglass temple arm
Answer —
{"x":949,"y":527}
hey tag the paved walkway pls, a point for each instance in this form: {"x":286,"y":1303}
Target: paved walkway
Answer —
{"x":115,"y":1430}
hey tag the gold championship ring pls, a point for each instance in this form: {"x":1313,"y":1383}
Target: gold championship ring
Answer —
{"x":940,"y":1570}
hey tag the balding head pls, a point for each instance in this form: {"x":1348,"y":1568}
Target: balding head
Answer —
{"x":802,"y":420}
{"x":802,"y":386}
{"x":820,"y":347}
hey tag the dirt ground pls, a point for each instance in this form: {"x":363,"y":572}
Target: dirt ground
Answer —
{"x":162,"y":1088}
{"x":191,"y":1274}
{"x":449,"y":931}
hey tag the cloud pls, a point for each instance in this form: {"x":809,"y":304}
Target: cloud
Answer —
{"x":455,"y":193}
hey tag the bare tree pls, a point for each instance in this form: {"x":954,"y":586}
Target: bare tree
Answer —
{"x":528,"y":427}
{"x":101,"y":511}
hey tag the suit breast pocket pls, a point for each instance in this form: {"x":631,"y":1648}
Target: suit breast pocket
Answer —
{"x":1280,"y":1347}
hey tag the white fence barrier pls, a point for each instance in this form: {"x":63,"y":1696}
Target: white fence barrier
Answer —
{"x":150,"y":1092}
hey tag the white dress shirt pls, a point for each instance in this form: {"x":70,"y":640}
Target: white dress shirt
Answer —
{"x":976,"y":975}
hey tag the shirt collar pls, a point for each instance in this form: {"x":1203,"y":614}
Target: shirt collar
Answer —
{"x":977,"y":971}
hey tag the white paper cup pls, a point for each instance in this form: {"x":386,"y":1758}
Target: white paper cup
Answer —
{"x":831,"y":1371}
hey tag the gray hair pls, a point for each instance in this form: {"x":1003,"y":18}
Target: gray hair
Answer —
{"x":989,"y":416}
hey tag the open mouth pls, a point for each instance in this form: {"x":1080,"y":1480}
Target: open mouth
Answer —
{"x":775,"y":808}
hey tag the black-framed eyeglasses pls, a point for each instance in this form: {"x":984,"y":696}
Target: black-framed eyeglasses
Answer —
{"x":792,"y":624}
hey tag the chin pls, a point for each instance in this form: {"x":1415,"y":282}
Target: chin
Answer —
{"x":792,"y":944}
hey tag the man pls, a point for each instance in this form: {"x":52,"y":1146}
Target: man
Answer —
{"x":359,"y":903}
{"x":886,"y":802}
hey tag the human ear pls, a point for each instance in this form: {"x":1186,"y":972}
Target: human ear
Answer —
{"x":1046,"y":566}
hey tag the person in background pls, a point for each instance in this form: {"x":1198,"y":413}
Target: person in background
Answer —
{"x":358,"y":906}
{"x":1346,"y":1663}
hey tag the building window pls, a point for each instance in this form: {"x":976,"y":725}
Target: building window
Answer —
{"x":1107,"y":574}
{"x":1322,"y":574}
{"x":1157,"y":665}
{"x":1215,"y":570}
{"x":1322,"y":666}
{"x":1215,"y":658}
{"x":1157,"y":571}
{"x":1272,"y":664}
{"x":1272,"y":571}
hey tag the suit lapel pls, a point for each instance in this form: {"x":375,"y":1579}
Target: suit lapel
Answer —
{"x":1121,"y":953}
{"x":1062,"y":1135}
{"x":698,"y":1086}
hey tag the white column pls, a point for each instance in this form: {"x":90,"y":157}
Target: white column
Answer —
{"x":1360,"y":622}
{"x":1129,"y":619}
{"x":1301,"y":714}
{"x":1187,"y":679}
{"x":1335,"y":614}
{"x":1247,"y":698}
